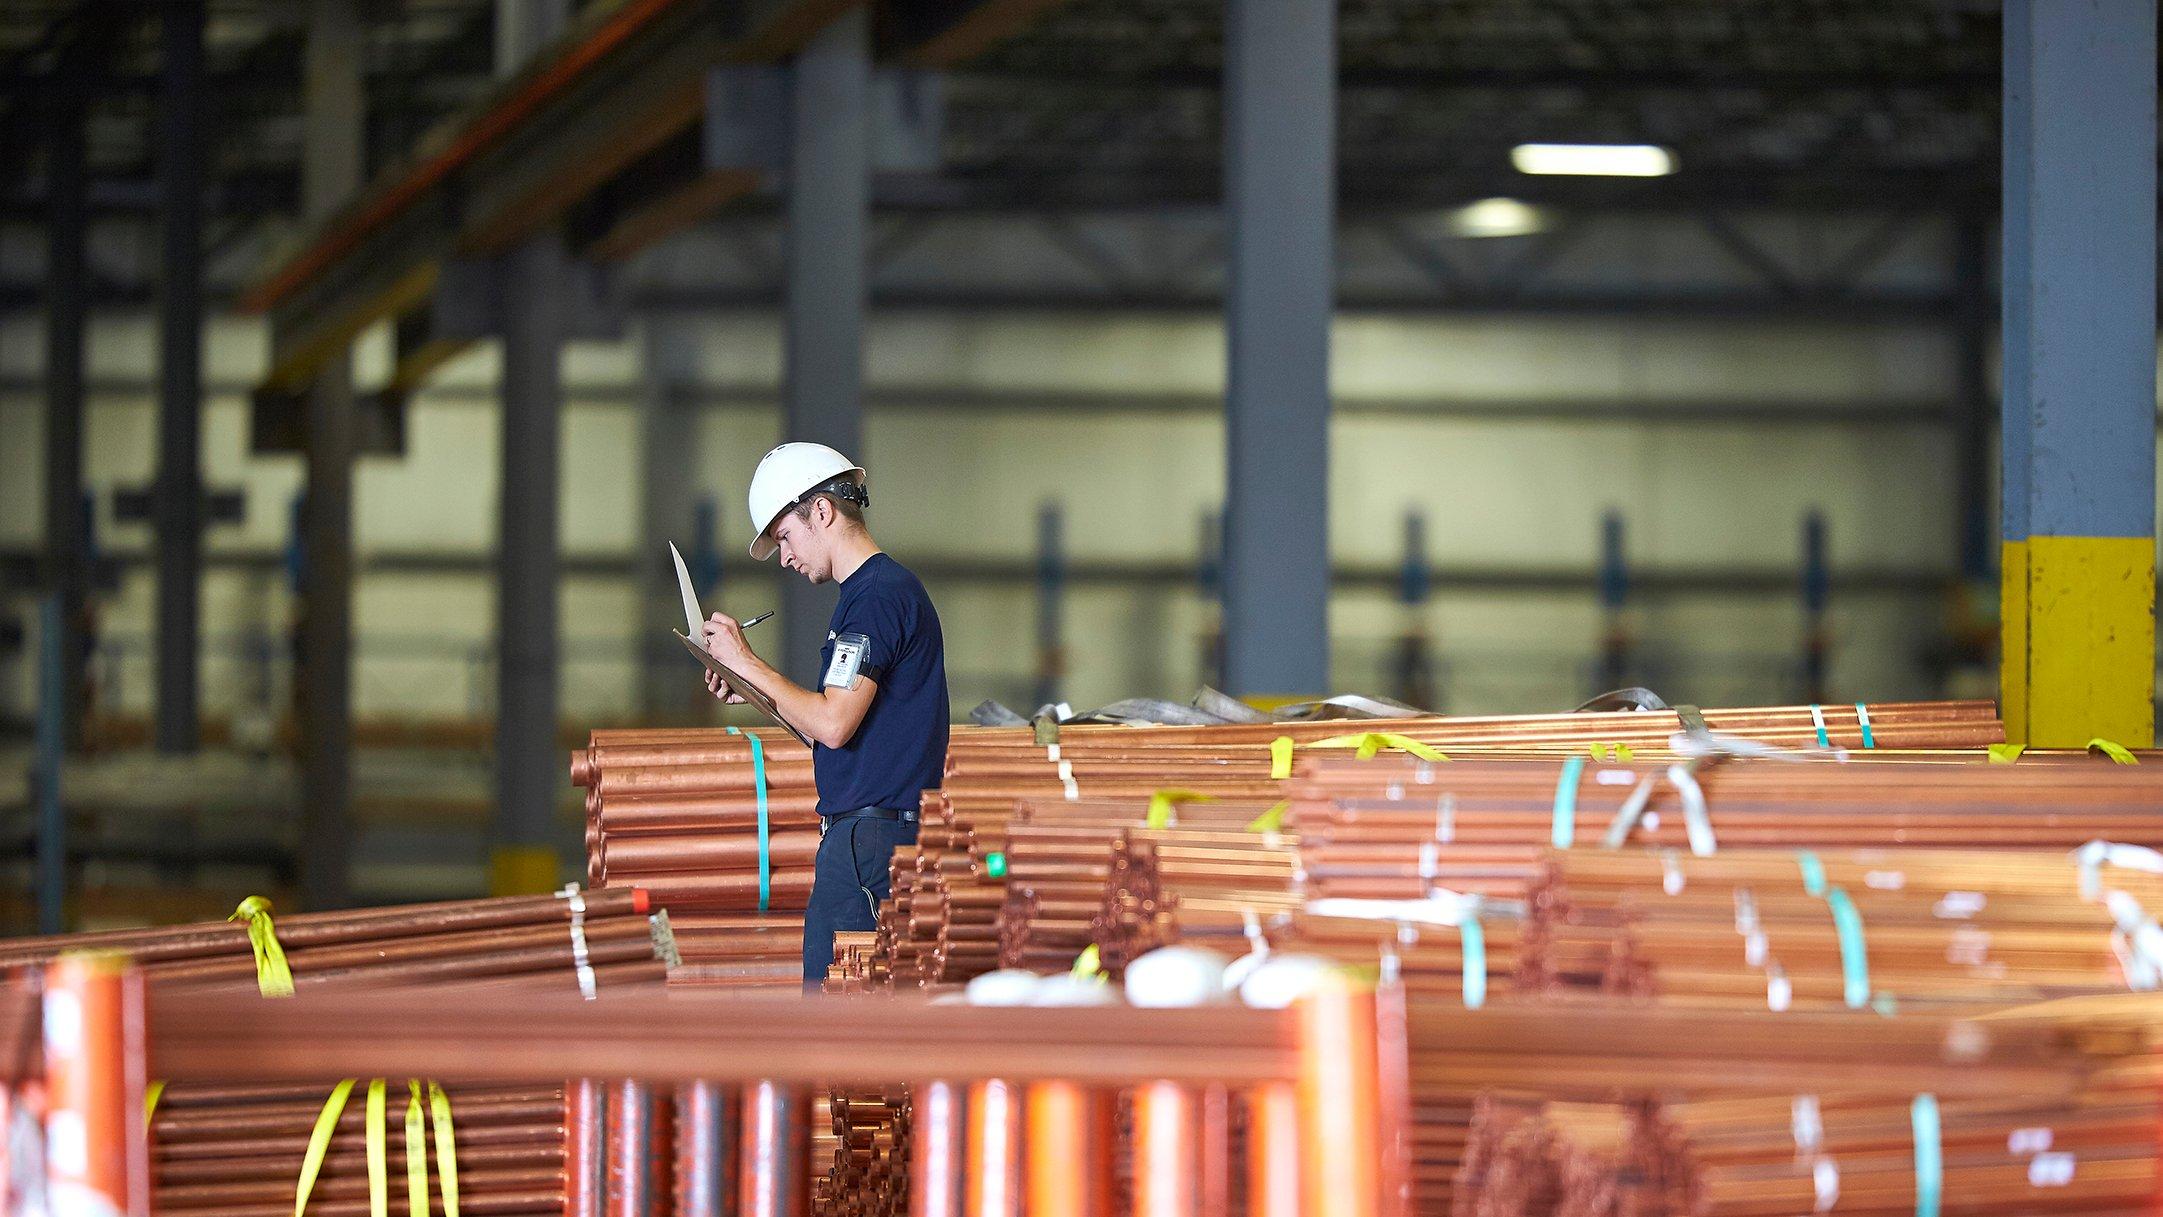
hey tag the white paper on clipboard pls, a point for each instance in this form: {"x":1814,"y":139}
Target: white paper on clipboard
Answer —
{"x":693,"y":641}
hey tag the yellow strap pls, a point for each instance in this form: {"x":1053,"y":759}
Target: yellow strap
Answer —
{"x":1280,"y":757}
{"x":151,"y":1094}
{"x":439,"y":1105}
{"x":1373,"y":742}
{"x":379,"y":1185}
{"x":1163,"y":802}
{"x":416,"y":1152}
{"x":311,"y":1163}
{"x":273,"y":978}
{"x":1271,"y":820}
{"x":1088,"y":963}
{"x":2116,"y":752}
{"x":1612,"y":752}
{"x":2006,"y":754}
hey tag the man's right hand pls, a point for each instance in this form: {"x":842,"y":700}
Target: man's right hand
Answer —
{"x":722,"y":691}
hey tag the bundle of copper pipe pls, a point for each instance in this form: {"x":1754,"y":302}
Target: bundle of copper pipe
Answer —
{"x":1393,"y":828}
{"x":1761,"y":928}
{"x":1845,"y":1144}
{"x":237,"y":1150}
{"x":677,"y":813}
{"x":535,"y":942}
{"x":864,"y":1146}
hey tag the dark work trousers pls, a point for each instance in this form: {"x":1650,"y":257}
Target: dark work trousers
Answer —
{"x":847,"y":884}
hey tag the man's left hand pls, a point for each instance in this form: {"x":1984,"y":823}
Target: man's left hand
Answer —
{"x":725,"y":641}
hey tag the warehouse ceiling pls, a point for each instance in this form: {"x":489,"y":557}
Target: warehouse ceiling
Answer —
{"x":1116,"y":102}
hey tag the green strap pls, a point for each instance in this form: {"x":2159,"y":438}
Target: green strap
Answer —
{"x":2116,"y":752}
{"x":416,"y":1152}
{"x":1089,"y":962}
{"x":273,"y":976}
{"x":1271,"y":820}
{"x":2005,"y":754}
{"x":1473,"y":941}
{"x":1565,"y":827}
{"x":1854,"y":959}
{"x":1164,"y":802}
{"x":379,"y":1187}
{"x":995,"y":865}
{"x":1929,"y":1155}
{"x":311,"y":1163}
{"x":1369,"y":744}
{"x":1813,"y":872}
{"x":439,"y":1106}
{"x":758,"y":778}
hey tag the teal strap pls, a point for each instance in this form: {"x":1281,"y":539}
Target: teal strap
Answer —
{"x":1573,"y":770}
{"x":1854,"y":961}
{"x":758,"y":777}
{"x":1929,"y":1155}
{"x":1862,"y":715}
{"x":1813,"y":872}
{"x":1817,"y":715}
{"x":1473,"y":940}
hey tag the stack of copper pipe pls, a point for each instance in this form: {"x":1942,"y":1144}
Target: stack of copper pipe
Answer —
{"x":1885,"y":929}
{"x":1393,"y":828}
{"x":1851,"y":1143}
{"x":937,"y":928}
{"x":676,"y":812}
{"x":867,"y":1163}
{"x":534,"y":942}
{"x":1927,"y":724}
{"x":236,"y":1150}
{"x":1217,"y":887}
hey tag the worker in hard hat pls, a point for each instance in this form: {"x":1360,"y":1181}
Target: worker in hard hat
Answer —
{"x":877,"y":716}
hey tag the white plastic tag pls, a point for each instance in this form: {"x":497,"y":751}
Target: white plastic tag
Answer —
{"x":841,"y":670}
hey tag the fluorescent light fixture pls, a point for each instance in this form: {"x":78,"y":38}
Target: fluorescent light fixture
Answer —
{"x":1594,"y":160}
{"x":1496,"y":218}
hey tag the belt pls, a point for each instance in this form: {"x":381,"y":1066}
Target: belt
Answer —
{"x":889,"y":814}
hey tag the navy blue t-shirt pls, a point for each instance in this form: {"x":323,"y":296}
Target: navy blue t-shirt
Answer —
{"x":899,"y":750}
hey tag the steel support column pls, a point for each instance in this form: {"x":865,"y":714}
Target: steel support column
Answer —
{"x":2080,"y":357}
{"x":828,"y":218}
{"x":529,"y":780}
{"x":1279,"y":121}
{"x":1973,"y":404}
{"x":667,"y":507}
{"x":66,"y":546}
{"x":335,"y":111}
{"x":179,"y":495}
{"x":524,"y":27}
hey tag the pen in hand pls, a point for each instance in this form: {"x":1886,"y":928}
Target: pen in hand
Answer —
{"x":754,"y":621}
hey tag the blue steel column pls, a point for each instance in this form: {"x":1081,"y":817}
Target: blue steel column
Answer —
{"x":534,"y":321}
{"x":1280,"y":78}
{"x":529,"y":778}
{"x":179,"y":490}
{"x":66,"y":308}
{"x":828,"y":213}
{"x":335,"y":105}
{"x":2080,"y":282}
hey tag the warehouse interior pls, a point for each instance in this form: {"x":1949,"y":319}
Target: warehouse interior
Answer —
{"x":1726,"y":430}
{"x":1577,"y":577}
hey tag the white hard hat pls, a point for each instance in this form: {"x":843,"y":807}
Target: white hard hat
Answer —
{"x":785,"y":475}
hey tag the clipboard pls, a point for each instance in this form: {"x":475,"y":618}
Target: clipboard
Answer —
{"x":735,"y":683}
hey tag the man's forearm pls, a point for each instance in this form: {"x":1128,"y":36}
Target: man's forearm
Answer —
{"x":804,"y":709}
